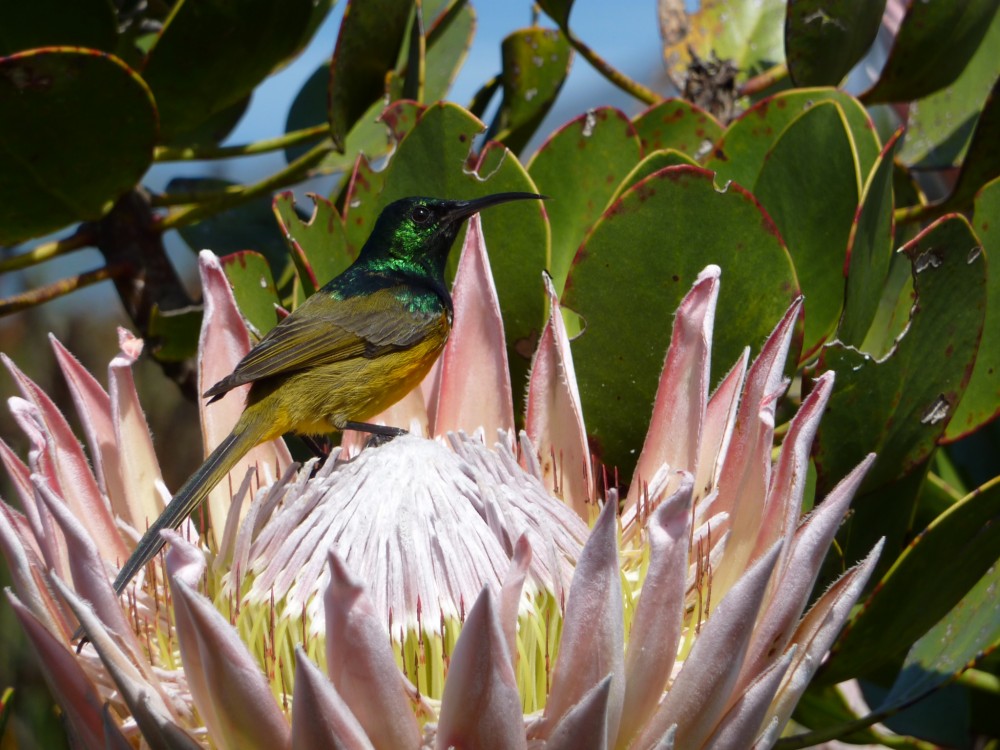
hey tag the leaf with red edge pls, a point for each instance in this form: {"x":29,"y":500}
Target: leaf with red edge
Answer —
{"x":739,"y":155}
{"x":677,"y":124}
{"x":981,"y":401}
{"x":899,"y":406}
{"x":592,"y":153}
{"x":250,"y":276}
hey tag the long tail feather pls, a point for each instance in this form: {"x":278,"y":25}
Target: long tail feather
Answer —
{"x":186,"y":500}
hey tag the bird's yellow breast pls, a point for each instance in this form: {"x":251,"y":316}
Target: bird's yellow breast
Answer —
{"x":322,"y":398}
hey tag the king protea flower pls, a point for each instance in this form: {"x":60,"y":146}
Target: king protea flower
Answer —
{"x":458,"y":587}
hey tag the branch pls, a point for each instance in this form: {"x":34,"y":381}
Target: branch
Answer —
{"x":619,"y":79}
{"x":765,"y":80}
{"x":240,"y":194}
{"x":81,"y":238}
{"x":42,"y":294}
{"x":188,"y":153}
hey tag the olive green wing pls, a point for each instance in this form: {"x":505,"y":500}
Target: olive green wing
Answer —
{"x":326,"y":330}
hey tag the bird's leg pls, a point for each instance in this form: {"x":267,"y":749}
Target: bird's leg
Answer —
{"x":380,"y":433}
{"x":320,"y":448}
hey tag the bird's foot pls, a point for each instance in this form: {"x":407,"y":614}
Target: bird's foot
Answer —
{"x":380,"y":434}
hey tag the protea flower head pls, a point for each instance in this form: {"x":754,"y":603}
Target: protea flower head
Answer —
{"x":458,"y":587}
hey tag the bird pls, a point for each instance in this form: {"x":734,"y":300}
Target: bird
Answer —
{"x":351,"y":350}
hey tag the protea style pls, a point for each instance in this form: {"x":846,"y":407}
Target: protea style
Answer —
{"x":443,"y":589}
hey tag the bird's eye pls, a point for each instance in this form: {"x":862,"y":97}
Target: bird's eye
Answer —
{"x":421,"y":214}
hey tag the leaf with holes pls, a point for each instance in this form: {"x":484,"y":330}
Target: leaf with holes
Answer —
{"x":535,"y":65}
{"x":319,"y":243}
{"x":899,"y":406}
{"x":253,"y":287}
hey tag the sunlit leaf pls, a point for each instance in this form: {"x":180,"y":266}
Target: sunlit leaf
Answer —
{"x":253,"y":288}
{"x":740,"y":153}
{"x":580,"y":166}
{"x":631,"y":272}
{"x":809,"y":186}
{"x":748,"y":33}
{"x":535,"y":65}
{"x":677,"y":124}
{"x":940,"y":126}
{"x":320,"y":240}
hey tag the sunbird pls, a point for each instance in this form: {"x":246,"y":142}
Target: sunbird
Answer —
{"x":351,"y":350}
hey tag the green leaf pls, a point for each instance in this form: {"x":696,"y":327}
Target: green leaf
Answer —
{"x":740,"y":153}
{"x":934,"y":43}
{"x":962,"y":637}
{"x":939,"y":127}
{"x":77,"y":132}
{"x":535,"y":65}
{"x":191,"y":68}
{"x":368,"y":46}
{"x":319,"y":243}
{"x":981,"y":402}
{"x":748,"y":33}
{"x":982,"y":160}
{"x":677,"y":124}
{"x":824,"y":39}
{"x":899,"y":406}
{"x":579,"y":167}
{"x":47,"y":23}
{"x":173,"y":334}
{"x":943,"y":563}
{"x":869,"y":251}
{"x":432,"y":160}
{"x":809,"y":186}
{"x":635,"y":266}
{"x":253,"y":287}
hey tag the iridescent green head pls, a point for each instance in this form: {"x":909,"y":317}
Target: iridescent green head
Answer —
{"x":415,"y":234}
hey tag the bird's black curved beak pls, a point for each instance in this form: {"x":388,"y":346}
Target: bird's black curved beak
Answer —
{"x":461,"y":210}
